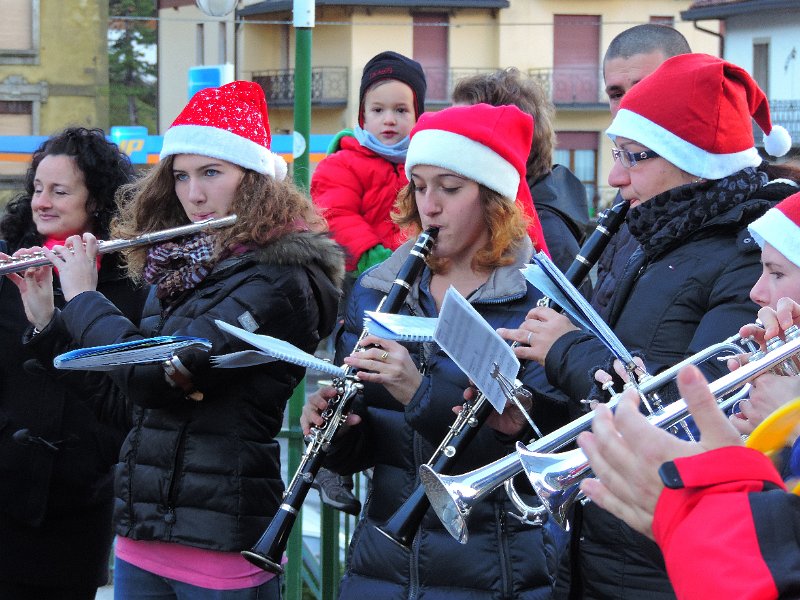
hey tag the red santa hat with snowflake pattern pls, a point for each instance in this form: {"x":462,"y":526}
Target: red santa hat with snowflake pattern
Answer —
{"x":780,"y":228}
{"x":484,"y":143}
{"x":695,"y":111}
{"x":229,"y":122}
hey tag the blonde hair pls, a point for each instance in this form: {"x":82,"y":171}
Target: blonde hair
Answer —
{"x":266,"y":208}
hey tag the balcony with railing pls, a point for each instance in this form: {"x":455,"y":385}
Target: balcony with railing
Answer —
{"x":442,"y":81}
{"x":328,"y":86}
{"x":568,"y":88}
{"x":786,"y":113}
{"x":573,"y":87}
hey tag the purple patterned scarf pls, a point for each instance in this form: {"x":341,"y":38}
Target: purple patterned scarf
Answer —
{"x":175,"y":267}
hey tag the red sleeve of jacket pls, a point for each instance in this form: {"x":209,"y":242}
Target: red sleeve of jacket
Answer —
{"x":718,"y":539}
{"x":355,"y":190}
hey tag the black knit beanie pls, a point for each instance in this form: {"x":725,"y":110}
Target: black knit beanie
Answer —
{"x":391,"y":65}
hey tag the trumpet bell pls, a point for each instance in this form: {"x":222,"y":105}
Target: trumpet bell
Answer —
{"x":555,"y":478}
{"x":450,"y":499}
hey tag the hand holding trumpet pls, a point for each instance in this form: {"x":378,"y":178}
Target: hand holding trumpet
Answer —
{"x":770,"y":391}
{"x":625,"y":451}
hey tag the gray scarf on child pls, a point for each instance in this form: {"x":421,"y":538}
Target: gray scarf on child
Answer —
{"x":395,"y":153}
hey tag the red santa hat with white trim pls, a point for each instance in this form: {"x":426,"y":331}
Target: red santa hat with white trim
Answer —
{"x":780,"y":228}
{"x":229,"y":122}
{"x":695,"y":111}
{"x":484,"y":143}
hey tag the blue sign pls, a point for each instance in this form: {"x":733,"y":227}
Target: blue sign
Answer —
{"x":209,"y":76}
{"x":131,"y":140}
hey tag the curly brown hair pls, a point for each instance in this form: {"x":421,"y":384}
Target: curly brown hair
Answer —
{"x":504,"y":220}
{"x":267,"y":209}
{"x":507,"y":86}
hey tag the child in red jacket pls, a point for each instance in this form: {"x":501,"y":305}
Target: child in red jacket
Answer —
{"x":357,"y":184}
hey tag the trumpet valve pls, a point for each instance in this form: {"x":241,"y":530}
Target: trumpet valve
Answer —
{"x":788,"y":367}
{"x":607,"y":386}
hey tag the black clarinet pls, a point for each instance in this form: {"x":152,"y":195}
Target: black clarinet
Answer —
{"x":269,"y":549}
{"x":608,"y":223}
{"x":402,"y":526}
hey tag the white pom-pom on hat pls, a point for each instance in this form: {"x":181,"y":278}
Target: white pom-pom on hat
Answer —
{"x":778,"y":142}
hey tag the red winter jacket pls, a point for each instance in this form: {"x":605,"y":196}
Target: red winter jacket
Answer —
{"x":728,"y":529}
{"x":356,"y":189}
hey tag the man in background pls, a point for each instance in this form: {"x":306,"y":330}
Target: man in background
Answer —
{"x":631,"y":56}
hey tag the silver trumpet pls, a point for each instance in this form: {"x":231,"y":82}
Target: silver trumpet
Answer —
{"x":38,"y":259}
{"x":452,"y":497}
{"x":556,"y":477}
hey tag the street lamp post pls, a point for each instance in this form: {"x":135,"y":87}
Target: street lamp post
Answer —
{"x":216,"y":8}
{"x":303,"y":21}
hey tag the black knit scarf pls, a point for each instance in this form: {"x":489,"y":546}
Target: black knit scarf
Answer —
{"x":668,"y":218}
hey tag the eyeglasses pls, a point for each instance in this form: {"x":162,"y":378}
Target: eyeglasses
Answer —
{"x":629,"y":159}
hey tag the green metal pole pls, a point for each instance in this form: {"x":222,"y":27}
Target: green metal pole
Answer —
{"x":302,"y":105}
{"x":294,"y":547}
{"x":300,"y":171}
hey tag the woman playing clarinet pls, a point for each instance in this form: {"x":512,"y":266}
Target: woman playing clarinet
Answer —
{"x":466,"y":168}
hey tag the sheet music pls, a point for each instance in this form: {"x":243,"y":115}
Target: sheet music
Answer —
{"x":474,"y":346}
{"x":107,"y":358}
{"x":570,"y":299}
{"x":243,"y":358}
{"x":538,"y":279}
{"x":401,"y":328}
{"x":281,"y":350}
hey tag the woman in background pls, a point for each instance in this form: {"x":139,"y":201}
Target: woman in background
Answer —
{"x":59,"y":434}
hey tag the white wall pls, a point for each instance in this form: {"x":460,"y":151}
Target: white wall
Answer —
{"x":782,"y":32}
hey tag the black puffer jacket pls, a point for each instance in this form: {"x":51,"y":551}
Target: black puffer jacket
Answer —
{"x":55,"y":505}
{"x":610,"y":268}
{"x":207,"y":474}
{"x":502,"y":559}
{"x":560,"y":201}
{"x":686,"y":288}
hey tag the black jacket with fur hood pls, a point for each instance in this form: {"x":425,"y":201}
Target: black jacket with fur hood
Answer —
{"x":207,"y":474}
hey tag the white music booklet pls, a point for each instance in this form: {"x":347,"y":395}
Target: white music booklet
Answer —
{"x":475,"y":347}
{"x":270,"y":349}
{"x":108,"y":358}
{"x":400,"y":328}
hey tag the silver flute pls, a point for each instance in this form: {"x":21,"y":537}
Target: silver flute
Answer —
{"x":38,"y":259}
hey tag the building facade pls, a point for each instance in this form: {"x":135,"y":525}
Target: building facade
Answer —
{"x":53,"y":68}
{"x":559,"y":42}
{"x":762,"y":37}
